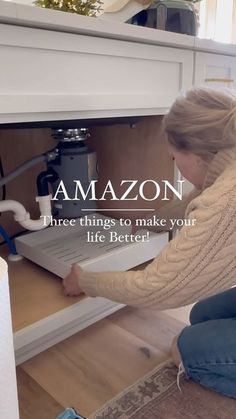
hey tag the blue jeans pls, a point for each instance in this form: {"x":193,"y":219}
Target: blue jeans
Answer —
{"x":208,"y":345}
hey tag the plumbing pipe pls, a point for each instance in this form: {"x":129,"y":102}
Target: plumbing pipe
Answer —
{"x":43,"y":179}
{"x":51,"y":155}
{"x":23,"y":217}
{"x":13,"y":256}
{"x":25,"y":166}
{"x":10,"y":244}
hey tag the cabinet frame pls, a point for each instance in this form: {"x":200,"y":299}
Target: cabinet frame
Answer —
{"x":115,"y":78}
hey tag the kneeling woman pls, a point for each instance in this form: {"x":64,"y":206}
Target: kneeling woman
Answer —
{"x":200,"y":262}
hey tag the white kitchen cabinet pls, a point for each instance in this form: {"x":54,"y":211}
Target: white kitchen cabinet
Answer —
{"x":53,"y":76}
{"x":59,"y":66}
{"x":215,"y":70}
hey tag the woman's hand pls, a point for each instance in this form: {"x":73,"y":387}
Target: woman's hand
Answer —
{"x":71,"y":282}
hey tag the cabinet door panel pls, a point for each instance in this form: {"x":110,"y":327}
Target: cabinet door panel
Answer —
{"x":48,"y":75}
{"x":215,"y":70}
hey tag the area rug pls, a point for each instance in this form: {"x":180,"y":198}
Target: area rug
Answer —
{"x":157,"y":396}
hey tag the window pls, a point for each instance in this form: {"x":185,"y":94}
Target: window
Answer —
{"x":216,"y":20}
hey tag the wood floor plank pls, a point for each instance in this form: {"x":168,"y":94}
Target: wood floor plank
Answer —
{"x":27,"y":307}
{"x":89,"y":368}
{"x":154,"y":327}
{"x":34,"y":402}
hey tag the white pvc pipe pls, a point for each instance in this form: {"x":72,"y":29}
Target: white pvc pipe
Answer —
{"x":14,"y":206}
{"x":23,"y":217}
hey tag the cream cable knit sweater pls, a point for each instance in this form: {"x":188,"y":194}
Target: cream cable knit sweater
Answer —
{"x":200,"y":261}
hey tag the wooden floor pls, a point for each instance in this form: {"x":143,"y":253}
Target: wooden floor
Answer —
{"x":94,"y":365}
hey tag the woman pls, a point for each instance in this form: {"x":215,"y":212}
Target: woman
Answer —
{"x":201,"y":260}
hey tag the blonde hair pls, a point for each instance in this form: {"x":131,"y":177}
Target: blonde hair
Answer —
{"x":202,"y":121}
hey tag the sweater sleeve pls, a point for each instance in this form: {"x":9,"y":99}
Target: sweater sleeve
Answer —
{"x":187,"y":268}
{"x":174,"y":209}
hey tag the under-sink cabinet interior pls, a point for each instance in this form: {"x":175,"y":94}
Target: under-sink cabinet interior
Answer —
{"x":41,"y":314}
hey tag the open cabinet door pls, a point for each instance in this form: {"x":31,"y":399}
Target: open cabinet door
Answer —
{"x":8,"y":389}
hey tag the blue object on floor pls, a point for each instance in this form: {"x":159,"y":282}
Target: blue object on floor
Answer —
{"x":70,"y":413}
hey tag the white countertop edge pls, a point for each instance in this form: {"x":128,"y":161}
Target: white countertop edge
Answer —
{"x":36,"y":17}
{"x":208,"y":45}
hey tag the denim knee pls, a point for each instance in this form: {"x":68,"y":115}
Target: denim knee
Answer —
{"x":208,"y":354}
{"x":198,"y":312}
{"x":217,"y":306}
